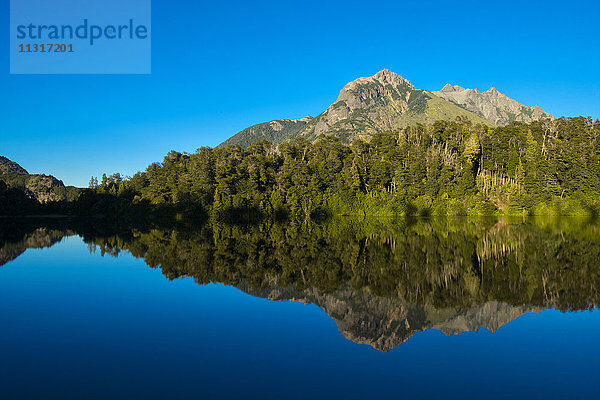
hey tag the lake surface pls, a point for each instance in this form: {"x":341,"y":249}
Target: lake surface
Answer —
{"x":436,"y":308}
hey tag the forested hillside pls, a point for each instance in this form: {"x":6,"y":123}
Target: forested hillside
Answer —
{"x":446,"y":168}
{"x":22,"y":192}
{"x":549,"y":167}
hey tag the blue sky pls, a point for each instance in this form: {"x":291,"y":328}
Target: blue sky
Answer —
{"x":220,"y":67}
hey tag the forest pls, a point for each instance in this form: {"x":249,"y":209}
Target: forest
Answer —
{"x":550,"y":167}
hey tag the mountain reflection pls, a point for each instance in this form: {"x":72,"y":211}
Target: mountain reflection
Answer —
{"x":380,"y":281}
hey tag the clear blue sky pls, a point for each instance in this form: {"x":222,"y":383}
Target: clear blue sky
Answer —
{"x":218,"y":68}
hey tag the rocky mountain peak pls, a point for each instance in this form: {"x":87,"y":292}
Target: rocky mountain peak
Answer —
{"x":448,"y":88}
{"x":451,"y":88}
{"x":10,"y":167}
{"x":384,"y":77}
{"x":387,"y":101}
{"x":367,"y":105}
{"x":494,"y":92}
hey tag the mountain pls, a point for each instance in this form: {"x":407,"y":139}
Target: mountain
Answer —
{"x":10,"y":167}
{"x":379,"y":103}
{"x":492,"y":105}
{"x":43,"y":188}
{"x":275,"y":131}
{"x":385,"y":323}
{"x":387,"y":101}
{"x":38,"y":239}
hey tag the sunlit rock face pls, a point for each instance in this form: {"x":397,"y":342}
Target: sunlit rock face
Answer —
{"x":38,"y":186}
{"x":492,"y":105}
{"x":369,"y":105}
{"x":363,"y":107}
{"x":387,"y":101}
{"x":10,"y":167}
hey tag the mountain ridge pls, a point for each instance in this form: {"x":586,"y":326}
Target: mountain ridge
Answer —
{"x":8,"y":166}
{"x":43,"y":188}
{"x":271,"y":131}
{"x":385,"y":323}
{"x":387,"y":101}
{"x":492,"y":105}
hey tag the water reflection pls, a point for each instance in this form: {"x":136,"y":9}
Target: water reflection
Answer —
{"x":381,"y":281}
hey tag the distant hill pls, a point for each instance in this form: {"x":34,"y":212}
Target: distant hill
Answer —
{"x":38,"y":239}
{"x":275,"y":131}
{"x":43,"y":188}
{"x":386,"y":101}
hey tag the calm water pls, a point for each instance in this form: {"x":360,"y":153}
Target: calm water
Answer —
{"x":450,"y":308}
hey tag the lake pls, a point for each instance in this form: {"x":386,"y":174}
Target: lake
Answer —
{"x":447,"y":308}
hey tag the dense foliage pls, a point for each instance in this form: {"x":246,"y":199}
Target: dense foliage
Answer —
{"x":14,"y":201}
{"x":448,"y":168}
{"x":23,"y":194}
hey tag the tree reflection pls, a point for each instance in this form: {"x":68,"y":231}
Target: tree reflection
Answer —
{"x":380,"y":280}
